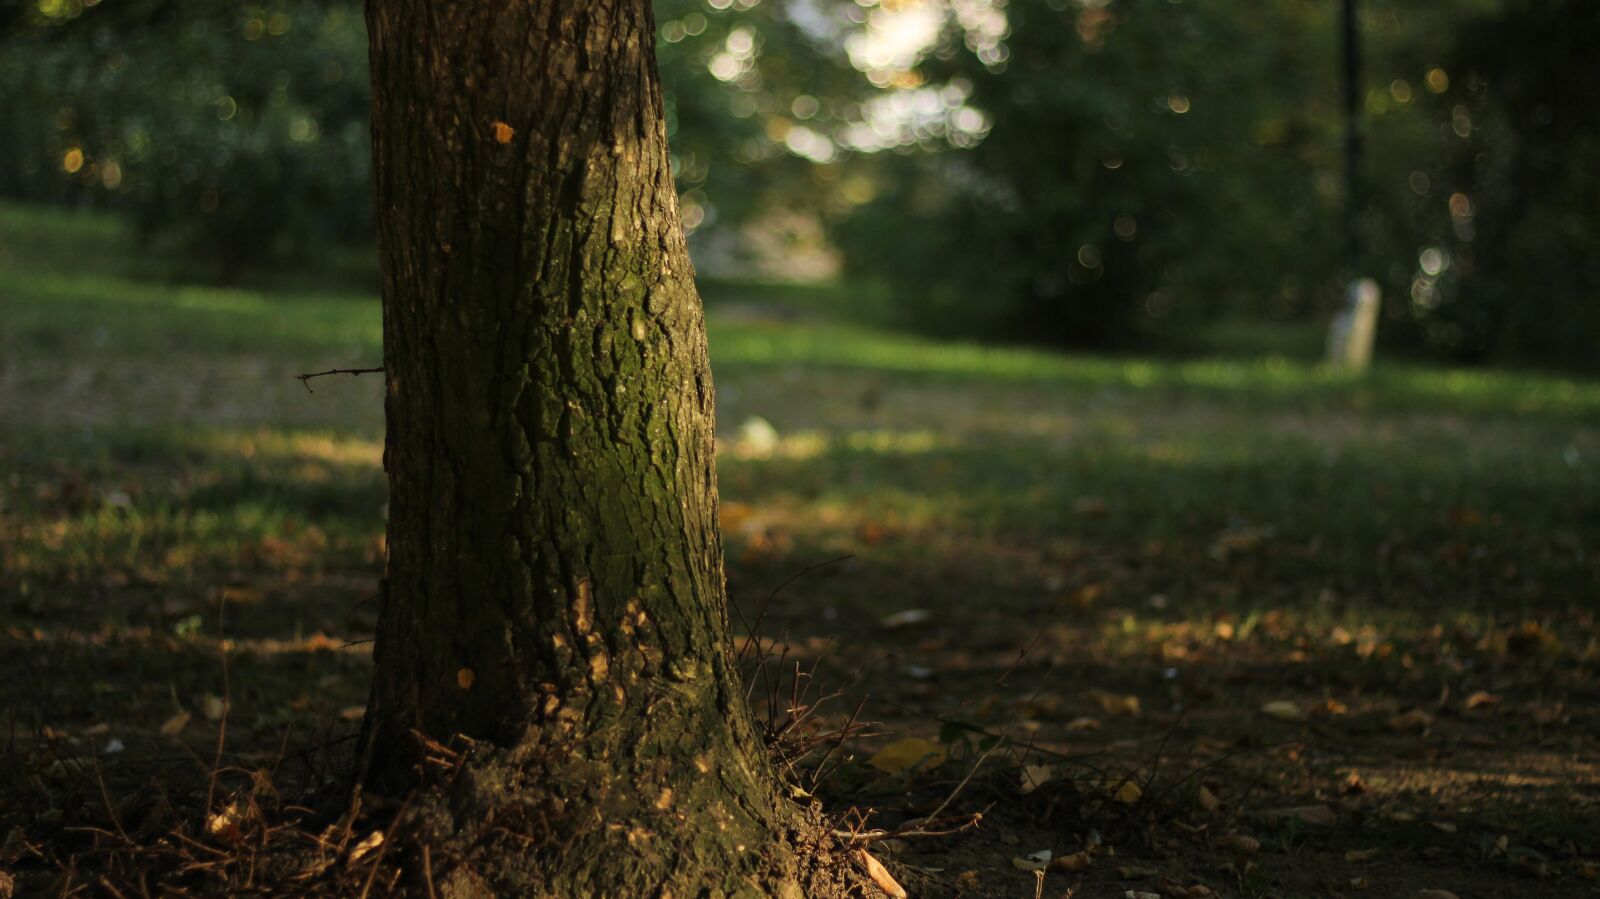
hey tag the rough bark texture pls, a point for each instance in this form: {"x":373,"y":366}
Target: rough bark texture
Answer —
{"x":554,"y":588}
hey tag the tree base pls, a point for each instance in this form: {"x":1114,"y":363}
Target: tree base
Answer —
{"x":496,"y":825}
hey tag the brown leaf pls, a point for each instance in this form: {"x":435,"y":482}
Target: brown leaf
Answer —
{"x":1480,"y":699}
{"x":1239,"y":843}
{"x":1306,"y":814}
{"x":465,"y":678}
{"x":175,"y":725}
{"x":1360,"y":855}
{"x":1416,"y":719}
{"x":1077,"y":861}
{"x":1206,"y":799}
{"x":880,"y":875}
{"x":1114,"y":703}
{"x":503,"y":132}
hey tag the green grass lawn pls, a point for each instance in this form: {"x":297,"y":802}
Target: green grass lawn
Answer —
{"x":1323,"y":536}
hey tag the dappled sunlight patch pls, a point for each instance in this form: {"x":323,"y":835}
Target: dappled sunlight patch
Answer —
{"x":266,"y":446}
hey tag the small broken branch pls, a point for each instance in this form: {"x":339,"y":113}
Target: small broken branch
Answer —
{"x":306,"y":378}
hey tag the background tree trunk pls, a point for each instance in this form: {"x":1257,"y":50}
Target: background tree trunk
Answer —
{"x":554,"y":587}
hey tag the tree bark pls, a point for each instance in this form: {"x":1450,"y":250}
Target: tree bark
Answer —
{"x":554,"y":597}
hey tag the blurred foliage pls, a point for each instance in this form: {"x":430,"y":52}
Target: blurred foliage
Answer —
{"x":1499,"y":211}
{"x":1090,"y":172}
{"x":1148,"y":162}
{"x":235,"y":130}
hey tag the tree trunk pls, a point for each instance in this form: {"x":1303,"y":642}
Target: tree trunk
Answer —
{"x":554,"y":592}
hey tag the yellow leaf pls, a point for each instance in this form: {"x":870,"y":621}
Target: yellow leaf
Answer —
{"x":1206,"y":799}
{"x":1114,"y":703}
{"x":373,"y":840}
{"x":503,"y":132}
{"x":1035,"y":776}
{"x":912,"y":753}
{"x":175,"y":725}
{"x":1284,"y":710}
{"x":1481,"y":698}
{"x":1128,"y":793}
{"x":1033,"y":861}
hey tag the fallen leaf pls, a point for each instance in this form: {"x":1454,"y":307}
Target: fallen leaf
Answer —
{"x":1306,"y":814}
{"x":1360,"y":855}
{"x":370,"y":842}
{"x":880,"y":875}
{"x":1352,"y":784}
{"x":912,"y":753}
{"x":1442,"y":826}
{"x":1033,"y":861}
{"x":1436,"y":894}
{"x":213,"y":707}
{"x":1114,"y":703}
{"x":1480,"y":699}
{"x":1077,"y":861}
{"x":353,"y":712}
{"x":1206,"y":799}
{"x":1358,"y":883}
{"x":1128,"y":793}
{"x":465,"y":678}
{"x":1416,"y":719}
{"x":175,"y":725}
{"x":1082,"y":724}
{"x":97,"y":730}
{"x":1284,"y":710}
{"x":1239,"y":843}
{"x":1035,"y":776}
{"x":226,"y":824}
{"x":1135,"y":872}
{"x":906,"y":618}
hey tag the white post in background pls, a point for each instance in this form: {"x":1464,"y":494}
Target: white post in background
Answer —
{"x":1355,"y":327}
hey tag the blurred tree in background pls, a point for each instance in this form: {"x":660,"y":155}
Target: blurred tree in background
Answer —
{"x":1490,"y":218}
{"x":1148,"y":163}
{"x":1082,"y":172}
{"x":234,"y":130}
